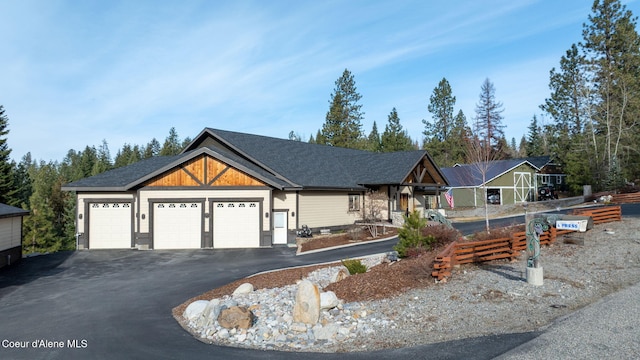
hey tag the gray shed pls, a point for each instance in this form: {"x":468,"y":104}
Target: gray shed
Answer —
{"x":10,"y":234}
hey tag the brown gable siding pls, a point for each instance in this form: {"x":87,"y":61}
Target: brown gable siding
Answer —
{"x":204,"y":171}
{"x":424,"y":173}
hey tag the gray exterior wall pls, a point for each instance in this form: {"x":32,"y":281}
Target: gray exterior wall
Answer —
{"x":10,"y":240}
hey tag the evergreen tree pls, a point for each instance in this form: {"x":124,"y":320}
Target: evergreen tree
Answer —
{"x":172,"y":144}
{"x":488,"y":121}
{"x":294,"y":136}
{"x":103,"y":159}
{"x":394,"y":137}
{"x":127,"y":155}
{"x":534,"y":139}
{"x":446,"y":136}
{"x":612,"y":49}
{"x":39,"y":227}
{"x":440,"y":106}
{"x":22,"y":182}
{"x":152,"y":149}
{"x":522,"y":148}
{"x":7,"y":190}
{"x":373,"y":139}
{"x":514,"y":147}
{"x":320,"y":139}
{"x":342,"y":125}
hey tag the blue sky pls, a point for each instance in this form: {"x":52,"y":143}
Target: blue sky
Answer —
{"x":76,"y":72}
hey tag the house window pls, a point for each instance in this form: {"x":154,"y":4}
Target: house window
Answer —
{"x":354,"y":202}
{"x":545,"y":179}
{"x":558,"y":180}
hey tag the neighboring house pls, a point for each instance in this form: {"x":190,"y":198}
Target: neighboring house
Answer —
{"x":10,"y":234}
{"x":235,"y":190}
{"x":550,"y":172}
{"x":507,"y":182}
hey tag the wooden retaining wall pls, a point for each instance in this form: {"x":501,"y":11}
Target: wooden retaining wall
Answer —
{"x":464,"y":252}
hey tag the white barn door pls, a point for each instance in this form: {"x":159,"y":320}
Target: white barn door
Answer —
{"x":522,"y":186}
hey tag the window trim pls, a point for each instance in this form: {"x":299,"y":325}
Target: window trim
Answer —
{"x":354,"y":199}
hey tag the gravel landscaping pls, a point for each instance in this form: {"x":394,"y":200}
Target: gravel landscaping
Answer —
{"x":399,"y":304}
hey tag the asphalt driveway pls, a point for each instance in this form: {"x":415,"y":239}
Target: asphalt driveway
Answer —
{"x":117,"y":304}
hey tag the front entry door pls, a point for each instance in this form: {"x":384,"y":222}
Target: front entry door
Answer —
{"x":280,"y":227}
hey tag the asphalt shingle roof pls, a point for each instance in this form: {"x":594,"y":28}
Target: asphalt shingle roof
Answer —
{"x":281,"y":163}
{"x":9,"y":211}
{"x":313,"y":165}
{"x":471,"y":174}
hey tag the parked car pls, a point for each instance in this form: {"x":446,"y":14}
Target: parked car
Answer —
{"x":547,"y":192}
{"x":494,"y":199}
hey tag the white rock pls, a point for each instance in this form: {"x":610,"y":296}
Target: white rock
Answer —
{"x":245,"y":288}
{"x":223,"y":333}
{"x":307,"y":304}
{"x":326,"y":332}
{"x":328,"y":300}
{"x":194,"y":309}
{"x":210,"y":313}
{"x":298,"y":327}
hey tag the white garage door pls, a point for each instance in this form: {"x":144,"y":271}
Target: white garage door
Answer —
{"x":177,"y":225}
{"x":110,"y":226}
{"x":236,"y":224}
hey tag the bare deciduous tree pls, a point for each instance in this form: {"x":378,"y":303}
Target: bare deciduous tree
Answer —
{"x":375,"y":205}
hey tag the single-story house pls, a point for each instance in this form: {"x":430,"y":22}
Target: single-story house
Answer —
{"x":506,"y":181}
{"x":10,"y":234}
{"x":550,"y":172}
{"x":235,"y":190}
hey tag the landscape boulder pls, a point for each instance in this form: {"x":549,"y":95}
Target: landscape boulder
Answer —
{"x":340,"y":275}
{"x":328,"y":300}
{"x":307,"y":306}
{"x":194,"y":309}
{"x":209,"y":314}
{"x":245,"y":288}
{"x":327,"y":332}
{"x":235,"y":317}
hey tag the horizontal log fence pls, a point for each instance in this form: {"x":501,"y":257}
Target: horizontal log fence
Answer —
{"x":601,"y":215}
{"x":464,"y":252}
{"x":626,"y":198}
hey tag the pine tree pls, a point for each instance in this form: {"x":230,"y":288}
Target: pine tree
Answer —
{"x":103,"y":161}
{"x":612,"y":52}
{"x":394,"y":137}
{"x":441,"y":105}
{"x":23,"y":182}
{"x":522,"y":148}
{"x":342,"y":125}
{"x":488,"y":120}
{"x":7,"y":189}
{"x":373,"y":139}
{"x":152,"y":149}
{"x":445,"y":138}
{"x":172,"y":144}
{"x":39,"y":227}
{"x":534,"y":139}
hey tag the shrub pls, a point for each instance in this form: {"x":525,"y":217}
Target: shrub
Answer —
{"x":354,"y":266}
{"x":442,"y":234}
{"x":498,"y":233}
{"x":411,"y":235}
